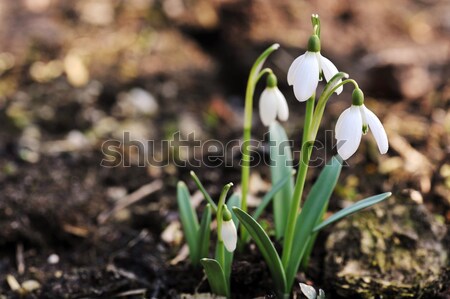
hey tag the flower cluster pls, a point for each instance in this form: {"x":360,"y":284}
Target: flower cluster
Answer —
{"x":295,"y":221}
{"x":304,"y":75}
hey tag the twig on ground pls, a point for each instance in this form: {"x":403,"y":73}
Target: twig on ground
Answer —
{"x":19,"y":259}
{"x":132,"y":293}
{"x":130,"y":199}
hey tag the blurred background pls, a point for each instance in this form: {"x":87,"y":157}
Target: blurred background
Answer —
{"x":74,"y":74}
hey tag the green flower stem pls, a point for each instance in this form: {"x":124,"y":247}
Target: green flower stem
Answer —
{"x":313,"y":117}
{"x":262,"y":73}
{"x":308,"y":117}
{"x":254,"y":76}
{"x":300,"y":182}
{"x":220,"y":256}
{"x":321,"y":103}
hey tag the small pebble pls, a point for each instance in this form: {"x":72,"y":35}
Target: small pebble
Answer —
{"x":12,"y":282}
{"x":31,"y":285}
{"x":53,"y":259}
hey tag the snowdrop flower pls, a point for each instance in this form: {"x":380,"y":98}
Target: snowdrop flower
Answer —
{"x":356,"y":121}
{"x":272,"y":103}
{"x":304,"y":72}
{"x":228,"y":231}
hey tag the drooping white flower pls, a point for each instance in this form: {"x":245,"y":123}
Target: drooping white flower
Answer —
{"x":304,"y":72}
{"x":356,"y":121}
{"x":229,"y":235}
{"x":272,"y":103}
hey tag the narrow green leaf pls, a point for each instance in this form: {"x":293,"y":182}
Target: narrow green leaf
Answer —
{"x":220,"y":256}
{"x":204,"y":233}
{"x":312,"y":240}
{"x":269,"y":196}
{"x":317,"y":198}
{"x":266,"y":247}
{"x":216,"y":277}
{"x":203,"y":190}
{"x":188,"y":220}
{"x":362,"y":204}
{"x":280,"y":168}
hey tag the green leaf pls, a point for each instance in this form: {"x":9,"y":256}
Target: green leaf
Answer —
{"x":312,"y":210}
{"x":280,"y":168}
{"x":188,"y":220}
{"x":312,"y":241}
{"x":203,"y":190}
{"x":204,"y":232}
{"x":266,"y":200}
{"x":216,"y":277}
{"x":266,"y":247}
{"x":269,"y":196}
{"x":362,"y":204}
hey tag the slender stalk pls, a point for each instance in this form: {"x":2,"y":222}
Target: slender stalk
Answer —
{"x":308,"y":117}
{"x":321,"y":103}
{"x":262,"y":73}
{"x":245,"y":175}
{"x":313,"y":117}
{"x":255,"y":74}
{"x":220,"y":255}
{"x":300,"y":182}
{"x":246,"y":143}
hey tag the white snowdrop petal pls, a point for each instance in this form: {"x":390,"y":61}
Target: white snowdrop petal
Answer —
{"x":329,"y":71}
{"x":377,"y":129}
{"x":349,"y":132}
{"x":282,"y":106}
{"x":306,"y":77}
{"x":308,"y":291}
{"x":229,"y":235}
{"x":338,"y":129}
{"x":268,"y":106}
{"x":293,"y":69}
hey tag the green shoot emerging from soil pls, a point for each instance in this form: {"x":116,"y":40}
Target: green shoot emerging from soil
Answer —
{"x":296,"y":224}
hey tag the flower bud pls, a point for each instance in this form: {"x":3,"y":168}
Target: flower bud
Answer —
{"x":314,"y":44}
{"x":271,"y":80}
{"x":357,"y":97}
{"x":226,"y":214}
